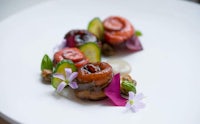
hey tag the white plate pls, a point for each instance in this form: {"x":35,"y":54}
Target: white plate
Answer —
{"x":167,"y":70}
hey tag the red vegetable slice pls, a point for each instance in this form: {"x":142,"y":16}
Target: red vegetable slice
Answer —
{"x":134,"y":44}
{"x":73,"y":54}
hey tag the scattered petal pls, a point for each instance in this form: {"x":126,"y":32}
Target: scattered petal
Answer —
{"x":128,"y":105}
{"x":131,"y":95}
{"x":73,"y":76}
{"x":73,"y":85}
{"x":134,"y":109}
{"x":134,"y":102}
{"x":61,"y":86}
{"x":67,"y":79}
{"x":113,"y":91}
{"x":139,"y":96}
{"x":68,"y":72}
{"x":140,"y":105}
{"x":59,"y":76}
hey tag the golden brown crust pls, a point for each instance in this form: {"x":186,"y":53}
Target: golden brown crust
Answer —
{"x":92,"y":80}
{"x":99,"y":78}
{"x":91,"y":95}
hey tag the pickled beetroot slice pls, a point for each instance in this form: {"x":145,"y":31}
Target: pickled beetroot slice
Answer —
{"x":134,"y":44}
{"x":76,"y":38}
{"x":70,"y":42}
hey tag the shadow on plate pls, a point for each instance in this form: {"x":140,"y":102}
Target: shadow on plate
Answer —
{"x":68,"y":94}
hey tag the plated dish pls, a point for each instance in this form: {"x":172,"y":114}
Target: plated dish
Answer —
{"x":166,"y":70}
{"x":77,"y":62}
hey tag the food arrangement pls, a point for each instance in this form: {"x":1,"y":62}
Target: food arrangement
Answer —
{"x":78,"y":64}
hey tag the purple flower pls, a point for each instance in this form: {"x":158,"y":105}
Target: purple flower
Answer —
{"x":67,"y":79}
{"x":134,"y":102}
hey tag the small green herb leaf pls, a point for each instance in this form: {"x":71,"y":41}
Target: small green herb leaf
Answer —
{"x":128,"y":86}
{"x":46,"y":63}
{"x":138,"y":33}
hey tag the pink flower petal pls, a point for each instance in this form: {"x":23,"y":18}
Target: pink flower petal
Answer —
{"x":133,"y":109}
{"x":73,"y":85}
{"x":68,"y":72}
{"x":128,"y":105}
{"x":131,"y":95}
{"x":113,"y":91}
{"x":138,"y":96}
{"x":61,"y":86}
{"x":139,"y":105}
{"x":59,"y":76}
{"x":73,"y":76}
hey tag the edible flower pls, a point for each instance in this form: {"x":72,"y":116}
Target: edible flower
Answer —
{"x":113,"y":91}
{"x":67,"y":79}
{"x":134,"y":102}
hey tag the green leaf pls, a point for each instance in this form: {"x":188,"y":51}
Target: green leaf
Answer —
{"x":128,"y":86}
{"x":46,"y":63}
{"x":138,"y":33}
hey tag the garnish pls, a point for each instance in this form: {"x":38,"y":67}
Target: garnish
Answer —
{"x":138,"y":33}
{"x":46,"y":63}
{"x":66,"y":79}
{"x":60,"y":69}
{"x":46,"y":68}
{"x":46,"y":74}
{"x":76,"y":38}
{"x":95,"y":26}
{"x":134,"y":44}
{"x":127,"y":84}
{"x":113,"y":91}
{"x":91,"y":51}
{"x":134,"y":102}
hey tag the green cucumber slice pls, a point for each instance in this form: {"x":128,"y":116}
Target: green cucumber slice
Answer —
{"x":91,"y":51}
{"x":95,"y":26}
{"x":60,"y":68}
